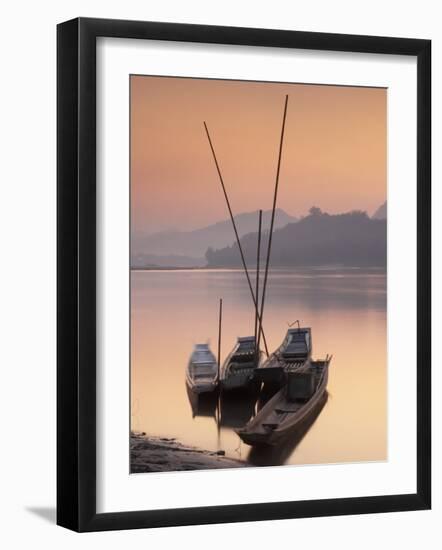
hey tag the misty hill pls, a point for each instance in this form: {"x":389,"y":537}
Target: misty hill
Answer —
{"x":381,"y":212}
{"x":351,"y":239}
{"x":195,"y":243}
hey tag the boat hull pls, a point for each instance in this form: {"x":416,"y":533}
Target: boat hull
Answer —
{"x":278,"y":436}
{"x":254,"y":433}
{"x":203,"y":388}
{"x":289,"y":356}
{"x":202,"y":371}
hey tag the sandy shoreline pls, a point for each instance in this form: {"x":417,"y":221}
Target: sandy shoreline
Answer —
{"x":164,"y":454}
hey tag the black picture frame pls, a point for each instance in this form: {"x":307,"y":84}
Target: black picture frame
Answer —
{"x":77,"y":288}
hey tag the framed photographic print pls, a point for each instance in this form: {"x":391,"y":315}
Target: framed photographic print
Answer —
{"x":243,"y":274}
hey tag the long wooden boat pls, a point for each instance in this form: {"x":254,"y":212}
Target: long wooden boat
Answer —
{"x":294,"y":352}
{"x":202,"y":370}
{"x":237,"y":372}
{"x":288,"y":408}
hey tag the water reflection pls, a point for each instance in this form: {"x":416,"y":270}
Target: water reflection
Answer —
{"x":236,"y":409}
{"x":173,"y":310}
{"x":203,"y":404}
{"x":229,"y":410}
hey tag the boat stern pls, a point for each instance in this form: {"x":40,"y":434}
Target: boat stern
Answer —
{"x":254,"y":439}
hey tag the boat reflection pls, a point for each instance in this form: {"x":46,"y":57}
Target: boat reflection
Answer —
{"x":236,"y":409}
{"x":229,"y":409}
{"x":267,"y":455}
{"x":203,"y":404}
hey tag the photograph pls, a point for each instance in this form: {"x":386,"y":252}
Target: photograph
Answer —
{"x":218,"y":296}
{"x":258,"y":274}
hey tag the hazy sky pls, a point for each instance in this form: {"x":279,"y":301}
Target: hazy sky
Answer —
{"x":334,"y":152}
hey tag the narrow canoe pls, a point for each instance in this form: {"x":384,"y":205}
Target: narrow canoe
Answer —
{"x":202,"y":370}
{"x":237,"y":372}
{"x":289,"y":407}
{"x":294,"y":353}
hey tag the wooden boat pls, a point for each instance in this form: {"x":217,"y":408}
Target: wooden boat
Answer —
{"x":288,"y":408}
{"x":202,"y":370}
{"x":294,"y":352}
{"x":237,"y":372}
{"x":277,"y":455}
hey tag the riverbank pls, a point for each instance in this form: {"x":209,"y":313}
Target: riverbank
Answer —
{"x":163,"y":454}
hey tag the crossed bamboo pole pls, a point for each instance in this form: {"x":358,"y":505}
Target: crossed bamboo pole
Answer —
{"x":258,"y":314}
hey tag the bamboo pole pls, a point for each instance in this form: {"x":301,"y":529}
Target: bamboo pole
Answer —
{"x":246,"y":271}
{"x":258,"y":254}
{"x":219,"y":336}
{"x":218,"y":400}
{"x":275,"y":196}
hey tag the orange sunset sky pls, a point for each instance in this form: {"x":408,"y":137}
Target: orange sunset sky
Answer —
{"x":334,"y":152}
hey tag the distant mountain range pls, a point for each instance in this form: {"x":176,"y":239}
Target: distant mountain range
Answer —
{"x":381,"y":212}
{"x":188,"y":248}
{"x":351,"y":239}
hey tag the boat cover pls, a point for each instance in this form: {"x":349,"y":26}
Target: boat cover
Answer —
{"x":300,"y":385}
{"x":298,"y":343}
{"x":202,"y":355}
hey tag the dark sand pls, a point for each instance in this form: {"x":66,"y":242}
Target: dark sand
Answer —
{"x":162,"y":454}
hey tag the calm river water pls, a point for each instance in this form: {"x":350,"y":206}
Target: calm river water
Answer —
{"x":346,"y":309}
